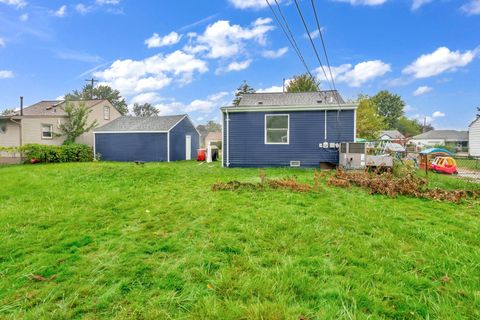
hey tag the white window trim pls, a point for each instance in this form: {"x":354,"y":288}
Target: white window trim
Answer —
{"x":104,"y":115}
{"x":51,"y":130}
{"x":288,"y":129}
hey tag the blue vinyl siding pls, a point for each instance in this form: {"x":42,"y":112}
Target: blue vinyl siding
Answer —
{"x":131,"y":146}
{"x":177,"y":140}
{"x":307,"y":131}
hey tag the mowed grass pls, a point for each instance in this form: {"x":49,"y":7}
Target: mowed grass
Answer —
{"x":129,"y":241}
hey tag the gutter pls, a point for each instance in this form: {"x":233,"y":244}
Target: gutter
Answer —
{"x":290,"y":108}
{"x":228,"y":138}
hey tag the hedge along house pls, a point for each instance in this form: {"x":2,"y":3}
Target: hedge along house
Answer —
{"x":167,"y":138}
{"x":286,"y":129}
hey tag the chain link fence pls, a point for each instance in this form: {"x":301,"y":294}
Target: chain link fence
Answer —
{"x":468,"y":167}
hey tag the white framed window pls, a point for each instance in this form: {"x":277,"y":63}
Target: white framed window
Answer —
{"x":106,"y":113}
{"x":277,"y":129}
{"x":47,"y":131}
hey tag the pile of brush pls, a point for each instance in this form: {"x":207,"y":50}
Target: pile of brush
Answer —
{"x":389,"y":185}
{"x":288,"y":183}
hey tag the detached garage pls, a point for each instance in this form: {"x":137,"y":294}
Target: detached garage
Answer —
{"x":148,"y":139}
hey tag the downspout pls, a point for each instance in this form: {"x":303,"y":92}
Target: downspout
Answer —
{"x":325,"y":125}
{"x":228,"y":139}
{"x":168,"y":146}
{"x":223,"y":147}
{"x":355,"y":125}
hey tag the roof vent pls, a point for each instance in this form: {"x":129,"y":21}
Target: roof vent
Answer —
{"x":260,"y":102}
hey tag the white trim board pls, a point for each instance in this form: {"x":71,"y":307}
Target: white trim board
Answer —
{"x":102,"y":132}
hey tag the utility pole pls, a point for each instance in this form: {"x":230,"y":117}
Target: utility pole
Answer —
{"x":424,"y":124}
{"x":92,"y":83}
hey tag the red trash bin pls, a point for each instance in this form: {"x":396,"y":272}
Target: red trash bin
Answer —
{"x":201,"y":153}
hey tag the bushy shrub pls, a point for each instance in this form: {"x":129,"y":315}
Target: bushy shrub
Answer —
{"x":47,"y":154}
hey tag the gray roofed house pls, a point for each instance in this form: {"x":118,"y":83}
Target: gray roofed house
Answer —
{"x":54,"y":107}
{"x":294,"y":129}
{"x":454,"y":138}
{"x":159,"y":138}
{"x":146,"y":124}
{"x":447,"y":135}
{"x":327,"y":97}
{"x":40,"y":123}
{"x":391,"y":135}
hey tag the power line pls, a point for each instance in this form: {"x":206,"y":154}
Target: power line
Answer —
{"x":292,"y":41}
{"x":324,"y":48}
{"x":313,"y":44}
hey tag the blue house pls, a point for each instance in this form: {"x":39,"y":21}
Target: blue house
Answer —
{"x":286,"y":129}
{"x":167,"y":138}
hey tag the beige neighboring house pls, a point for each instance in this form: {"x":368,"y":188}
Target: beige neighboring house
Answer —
{"x":40,"y":123}
{"x":213,"y":137}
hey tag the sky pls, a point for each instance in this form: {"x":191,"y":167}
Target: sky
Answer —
{"x":189,"y":56}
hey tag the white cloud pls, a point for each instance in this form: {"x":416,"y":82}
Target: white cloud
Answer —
{"x":16,"y":3}
{"x":204,"y":106}
{"x":271,"y":89}
{"x":422,"y":90}
{"x":409,"y":108}
{"x":223,"y":40}
{"x":273,"y":54}
{"x":82,"y":9}
{"x":364,"y":2}
{"x":357,"y":75}
{"x":133,"y":77}
{"x":416,"y":4}
{"x":472,"y":7}
{"x":61,"y":12}
{"x":315,"y":33}
{"x":2,"y":43}
{"x":438,"y":114}
{"x":147,"y":97}
{"x":439,"y":61}
{"x":249,"y":4}
{"x":274,"y":88}
{"x":235,"y":66}
{"x":103,"y":2}
{"x":77,"y":56}
{"x":23,"y":17}
{"x":5,"y":74}
{"x":155,"y":41}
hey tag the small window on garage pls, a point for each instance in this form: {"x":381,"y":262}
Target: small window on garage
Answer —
{"x":277,"y":129}
{"x":106,"y":113}
{"x":47,"y":131}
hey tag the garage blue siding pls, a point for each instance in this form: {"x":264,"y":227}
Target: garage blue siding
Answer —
{"x":131,"y":146}
{"x":177,"y":140}
{"x":307,"y":131}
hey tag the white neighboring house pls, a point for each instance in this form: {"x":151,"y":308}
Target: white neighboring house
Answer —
{"x":452,"y":138}
{"x":474,"y":138}
{"x":391,"y":135}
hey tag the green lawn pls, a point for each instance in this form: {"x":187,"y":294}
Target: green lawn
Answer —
{"x":154,"y":242}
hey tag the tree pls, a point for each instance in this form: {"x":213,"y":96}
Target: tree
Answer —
{"x":100,"y":92}
{"x":144,"y":110}
{"x":409,"y":127}
{"x":212,"y":126}
{"x":7,"y":112}
{"x":389,"y":106}
{"x":303,"y":83}
{"x":369,"y":122}
{"x":244,"y":88}
{"x":76,"y":123}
